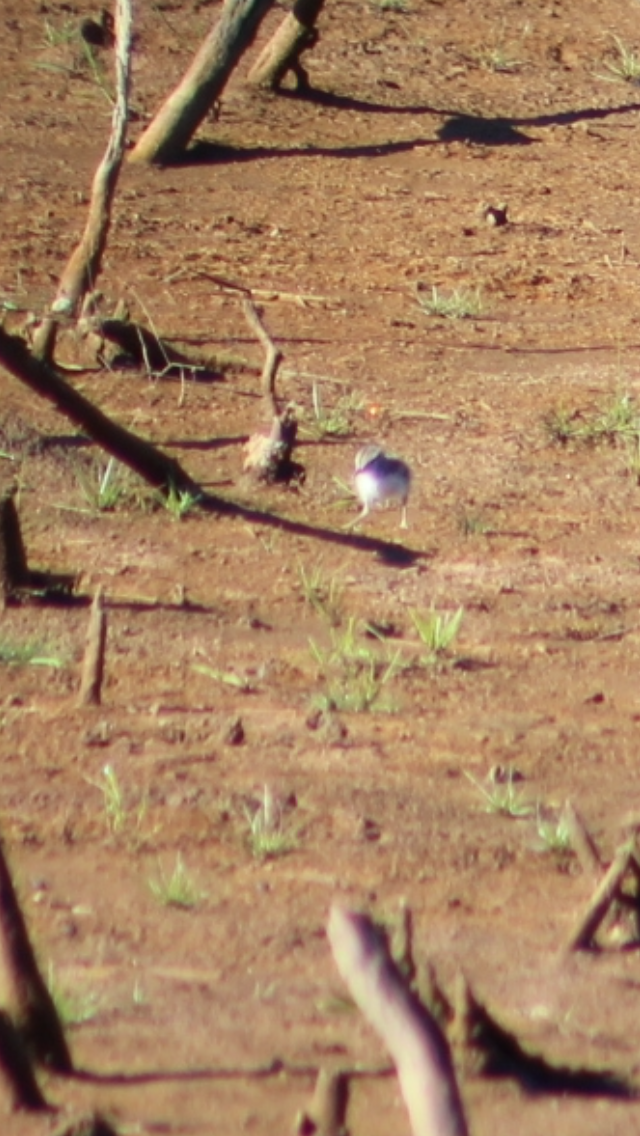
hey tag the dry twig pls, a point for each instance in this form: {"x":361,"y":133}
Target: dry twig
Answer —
{"x":83,"y":268}
{"x":414,"y":1039}
{"x":90,"y":692}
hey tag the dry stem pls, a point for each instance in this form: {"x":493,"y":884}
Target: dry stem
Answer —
{"x":23,"y":992}
{"x":415,"y":1041}
{"x":93,"y":664}
{"x":83,"y":267}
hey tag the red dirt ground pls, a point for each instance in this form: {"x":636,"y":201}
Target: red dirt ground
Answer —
{"x":333,"y":211}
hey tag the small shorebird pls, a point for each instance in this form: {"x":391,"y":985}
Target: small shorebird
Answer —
{"x":379,"y":477}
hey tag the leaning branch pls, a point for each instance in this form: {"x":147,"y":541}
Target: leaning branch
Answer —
{"x":141,"y":456}
{"x":297,"y":33}
{"x":273,"y":357}
{"x":169,"y":133}
{"x":414,"y":1039}
{"x":83,"y":267}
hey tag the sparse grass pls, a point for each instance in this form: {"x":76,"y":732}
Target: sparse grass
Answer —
{"x":499,"y":60}
{"x":138,"y":995}
{"x":401,"y":6}
{"x":321,"y":593}
{"x":118,"y":814}
{"x":102,"y":486}
{"x":177,"y":889}
{"x":502,"y":796}
{"x":554,"y":832}
{"x":437,"y":631}
{"x":180,"y":502}
{"x":228,"y":678}
{"x":56,"y":36}
{"x":72,"y":1008}
{"x":356,"y":676}
{"x":338,"y":421}
{"x":346,"y":494}
{"x":624,"y":67}
{"x":617,"y":421}
{"x":461,"y":303}
{"x":473,"y":524}
{"x":31,"y":653}
{"x":84,"y":58}
{"x":268,"y":836}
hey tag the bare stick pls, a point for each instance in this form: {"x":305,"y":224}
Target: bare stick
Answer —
{"x":93,"y":663}
{"x":169,"y":133}
{"x":18,"y":1086}
{"x":415,"y":1041}
{"x":23,"y":992}
{"x":601,"y":901}
{"x":13,"y":560}
{"x":582,"y":842}
{"x":296,"y":34}
{"x":272,"y":360}
{"x":327,"y":1110}
{"x":155,"y":467}
{"x":83,"y":268}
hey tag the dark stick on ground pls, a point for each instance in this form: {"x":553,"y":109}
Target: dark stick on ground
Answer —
{"x":13,"y":561}
{"x":24,"y":995}
{"x":90,"y":693}
{"x":141,"y":456}
{"x":326,"y":1114}
{"x":607,"y":893}
{"x":582,"y":842}
{"x":19,"y":1088}
{"x":296,"y":34}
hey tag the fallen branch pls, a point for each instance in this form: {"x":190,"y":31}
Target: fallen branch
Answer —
{"x":415,"y":1041}
{"x":153,"y":466}
{"x":607,"y":894}
{"x":83,"y":268}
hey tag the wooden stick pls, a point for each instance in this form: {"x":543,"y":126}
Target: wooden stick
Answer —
{"x":90,"y":693}
{"x":24,"y":995}
{"x":601,"y":900}
{"x":13,"y":560}
{"x":582,"y":842}
{"x":416,"y":1043}
{"x":297,"y":33}
{"x":326,"y":1113}
{"x":18,"y":1085}
{"x":152,"y":465}
{"x":272,"y":360}
{"x":83,"y":267}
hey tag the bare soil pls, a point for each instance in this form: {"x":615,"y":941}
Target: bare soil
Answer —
{"x":333,"y":210}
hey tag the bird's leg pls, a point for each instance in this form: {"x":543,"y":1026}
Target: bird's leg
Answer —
{"x":356,"y":520}
{"x":403,"y":522}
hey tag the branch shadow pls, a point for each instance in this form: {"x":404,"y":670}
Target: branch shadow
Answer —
{"x":499,"y":130}
{"x":259,"y":1072}
{"x":388,"y":552}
